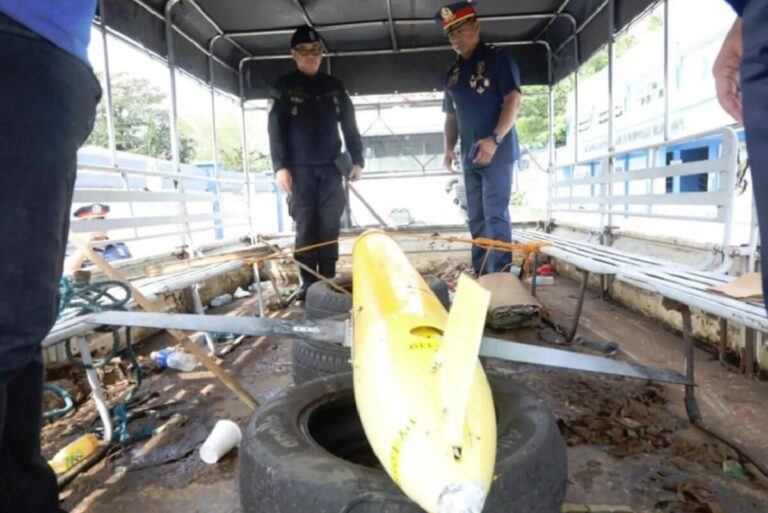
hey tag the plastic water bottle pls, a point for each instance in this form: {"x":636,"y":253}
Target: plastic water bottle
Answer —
{"x":174,"y":359}
{"x":221,"y":300}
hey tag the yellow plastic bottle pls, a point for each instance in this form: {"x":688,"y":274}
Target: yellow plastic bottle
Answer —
{"x":74,"y":453}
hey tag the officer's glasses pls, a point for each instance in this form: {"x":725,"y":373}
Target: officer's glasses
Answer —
{"x":312,"y":51}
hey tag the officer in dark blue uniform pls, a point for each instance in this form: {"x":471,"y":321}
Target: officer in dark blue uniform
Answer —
{"x":741,"y":80}
{"x":109,"y":251}
{"x":482,"y":99}
{"x":306,"y":108}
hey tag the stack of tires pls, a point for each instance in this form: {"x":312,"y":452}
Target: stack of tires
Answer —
{"x":306,"y":450}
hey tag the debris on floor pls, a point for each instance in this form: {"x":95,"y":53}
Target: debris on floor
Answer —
{"x":450,"y":270}
{"x":595,"y":508}
{"x":633,"y":423}
{"x":691,"y":498}
{"x":628,"y":451}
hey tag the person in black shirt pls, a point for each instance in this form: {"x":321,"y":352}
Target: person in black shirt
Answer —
{"x":306,"y":108}
{"x":741,"y":81}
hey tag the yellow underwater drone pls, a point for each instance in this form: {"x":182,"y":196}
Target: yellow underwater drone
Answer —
{"x":421,"y":393}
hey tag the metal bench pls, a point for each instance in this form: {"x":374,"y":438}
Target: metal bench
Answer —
{"x":73,"y":326}
{"x":610,"y":193}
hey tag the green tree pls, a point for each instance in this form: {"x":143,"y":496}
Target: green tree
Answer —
{"x":228,"y":140}
{"x":142,"y":124}
{"x":533,"y":121}
{"x":232,"y":159}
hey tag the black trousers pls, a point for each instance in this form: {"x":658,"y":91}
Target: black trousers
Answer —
{"x":47,"y":106}
{"x":754,"y":90}
{"x":27,"y":483}
{"x":317,"y":203}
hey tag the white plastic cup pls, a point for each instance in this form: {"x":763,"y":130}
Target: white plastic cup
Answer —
{"x":225,"y":436}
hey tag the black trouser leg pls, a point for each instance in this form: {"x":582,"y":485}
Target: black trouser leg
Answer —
{"x":304,"y":209}
{"x":27,"y":483}
{"x":47,"y":105}
{"x":330,"y":201}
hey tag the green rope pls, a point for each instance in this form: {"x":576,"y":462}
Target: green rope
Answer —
{"x":68,"y":404}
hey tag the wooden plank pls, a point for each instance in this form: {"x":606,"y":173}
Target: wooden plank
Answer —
{"x":191,"y":346}
{"x":240,"y":254}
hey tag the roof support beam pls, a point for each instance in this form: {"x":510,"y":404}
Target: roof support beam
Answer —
{"x":392,"y":33}
{"x":584,"y":25}
{"x":183,"y":34}
{"x":384,"y":23}
{"x":558,"y":13}
{"x":360,"y":53}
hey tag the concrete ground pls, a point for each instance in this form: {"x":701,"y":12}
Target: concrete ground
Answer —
{"x":667,"y":466}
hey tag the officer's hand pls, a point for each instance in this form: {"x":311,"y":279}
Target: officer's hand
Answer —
{"x":355,"y":173}
{"x":450,"y":161}
{"x":284,"y":180}
{"x":486,"y":149}
{"x":726,"y":72}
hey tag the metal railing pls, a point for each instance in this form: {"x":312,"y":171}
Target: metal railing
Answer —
{"x":148,"y":201}
{"x":598,"y":187}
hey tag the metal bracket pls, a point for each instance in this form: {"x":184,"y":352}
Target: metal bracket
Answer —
{"x":340,"y":332}
{"x":548,"y":357}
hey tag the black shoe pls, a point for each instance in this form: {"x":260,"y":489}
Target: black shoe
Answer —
{"x":301,"y":295}
{"x":327,"y":268}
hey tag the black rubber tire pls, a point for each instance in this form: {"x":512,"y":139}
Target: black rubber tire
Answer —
{"x":312,"y":360}
{"x":323,"y":302}
{"x":286,"y":463}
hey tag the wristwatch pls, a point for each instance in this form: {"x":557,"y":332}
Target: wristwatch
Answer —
{"x":498,"y":139}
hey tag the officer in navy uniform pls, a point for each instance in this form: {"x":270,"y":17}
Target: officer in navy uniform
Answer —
{"x":482,"y":99}
{"x":741,"y":81}
{"x":109,"y":251}
{"x":306,"y":108}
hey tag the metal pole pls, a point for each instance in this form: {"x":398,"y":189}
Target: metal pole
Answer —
{"x":667,"y":85}
{"x":108,"y":82}
{"x":362,"y":53}
{"x":109,"y":107}
{"x":384,"y":23}
{"x":246,"y":161}
{"x":214,"y":138}
{"x":584,"y":25}
{"x":175,"y":155}
{"x":579,"y":306}
{"x":98,"y":392}
{"x":551,"y":109}
{"x":688,"y":358}
{"x":611,"y":148}
{"x":392,"y":34}
{"x":176,"y":29}
{"x":576,"y":106}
